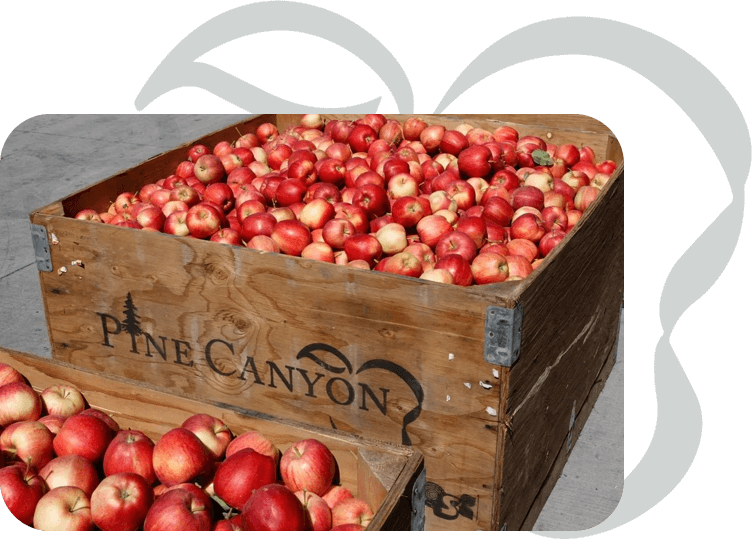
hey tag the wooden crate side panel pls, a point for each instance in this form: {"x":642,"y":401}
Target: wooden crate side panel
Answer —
{"x":569,"y":331}
{"x":357,"y":351}
{"x":568,"y":445}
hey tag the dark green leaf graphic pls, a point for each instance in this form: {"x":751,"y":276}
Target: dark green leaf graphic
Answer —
{"x":692,"y":86}
{"x":180,"y":68}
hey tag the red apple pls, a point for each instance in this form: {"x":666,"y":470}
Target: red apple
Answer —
{"x":125,"y":201}
{"x":159,"y":198}
{"x":70,"y":470}
{"x":474,"y":161}
{"x":290,"y":191}
{"x":554,"y":217}
{"x":431,"y":228}
{"x":356,"y":215}
{"x":575,"y":179}
{"x":336,"y":494}
{"x":175,"y":224}
{"x":228,"y":236}
{"x":462,"y":193}
{"x":61,"y":399}
{"x":317,"y":213}
{"x":179,"y":510}
{"x":312,"y":121}
{"x":459,"y":268}
{"x":373,"y":199}
{"x":9,"y":375}
{"x":505,"y":133}
{"x":197,"y":151}
{"x":320,"y":251}
{"x":257,"y":224}
{"x":256,"y":441}
{"x":489,"y":268}
{"x":209,"y":169}
{"x":392,"y":237}
{"x":274,"y":508}
{"x":130,"y":451}
{"x":352,"y":511}
{"x":120,"y":502}
{"x":456,"y":242}
{"x":213,"y":432}
{"x":361,"y":137}
{"x":331,"y":171}
{"x":19,"y":402}
{"x":541,"y":180}
{"x":431,"y":137}
{"x":582,"y":200}
{"x":89,"y":215}
{"x":221,"y":195}
{"x":422,"y":252}
{"x":600,"y":180}
{"x":523,"y":247}
{"x":63,"y":509}
{"x":83,"y":435}
{"x":318,"y":510}
{"x":240,"y":474}
{"x":203,"y":220}
{"x":263,"y":243}
{"x":336,"y":231}
{"x":407,"y":211}
{"x":180,"y":456}
{"x":53,"y":422}
{"x":529,"y":227}
{"x":497,"y":211}
{"x":519,"y":267}
{"x":474,"y":227}
{"x":308,"y":465}
{"x":402,"y":185}
{"x":405,"y":264}
{"x":573,"y":217}
{"x":550,"y":241}
{"x":266,"y":132}
{"x":453,"y":142}
{"x":528,"y":196}
{"x":291,"y":236}
{"x":363,"y":247}
{"x":438,"y":276}
{"x":152,"y":217}
{"x":29,"y":442}
{"x":21,"y":490}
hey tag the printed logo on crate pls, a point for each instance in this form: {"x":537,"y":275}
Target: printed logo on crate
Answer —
{"x":340,"y":382}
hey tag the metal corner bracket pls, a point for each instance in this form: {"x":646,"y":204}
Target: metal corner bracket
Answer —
{"x":503,"y":335}
{"x":41,"y":247}
{"x":418,"y":517}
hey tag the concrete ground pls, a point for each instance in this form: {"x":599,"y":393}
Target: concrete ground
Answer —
{"x":48,"y":157}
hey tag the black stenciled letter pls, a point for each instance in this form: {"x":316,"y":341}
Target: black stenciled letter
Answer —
{"x":106,"y":331}
{"x":209,"y":358}
{"x":180,"y":352}
{"x":307,"y":380}
{"x":250,"y":363}
{"x":350,"y":391}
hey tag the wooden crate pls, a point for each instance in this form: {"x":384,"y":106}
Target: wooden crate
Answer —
{"x":390,"y":478}
{"x":396,"y":359}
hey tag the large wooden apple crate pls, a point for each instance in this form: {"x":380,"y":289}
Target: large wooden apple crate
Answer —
{"x":491,"y":383}
{"x":390,"y":478}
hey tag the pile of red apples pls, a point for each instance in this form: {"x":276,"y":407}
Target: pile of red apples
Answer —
{"x":460,"y":206}
{"x":67,"y":467}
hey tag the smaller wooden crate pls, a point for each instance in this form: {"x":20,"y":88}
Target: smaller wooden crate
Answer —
{"x":390,"y":478}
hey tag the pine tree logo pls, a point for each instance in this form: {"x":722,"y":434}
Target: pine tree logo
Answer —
{"x":131,"y":323}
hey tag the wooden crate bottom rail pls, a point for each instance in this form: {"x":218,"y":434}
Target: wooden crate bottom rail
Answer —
{"x":390,"y":478}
